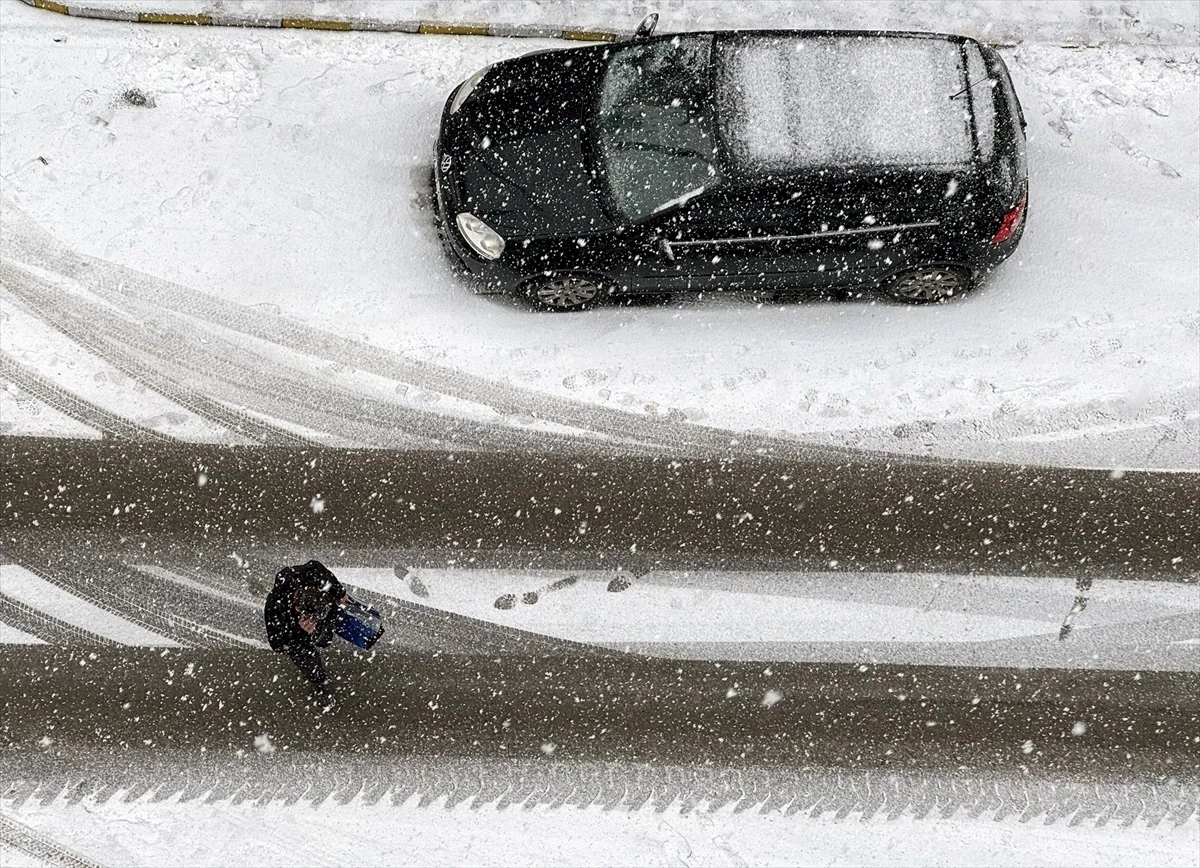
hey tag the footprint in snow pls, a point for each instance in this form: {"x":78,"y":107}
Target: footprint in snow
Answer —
{"x":408,"y":577}
{"x":530,"y":598}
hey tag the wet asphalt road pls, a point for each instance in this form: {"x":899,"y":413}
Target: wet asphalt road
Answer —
{"x":621,"y":708}
{"x":871,"y":514}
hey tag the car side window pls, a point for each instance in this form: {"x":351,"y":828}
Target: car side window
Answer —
{"x":729,"y":213}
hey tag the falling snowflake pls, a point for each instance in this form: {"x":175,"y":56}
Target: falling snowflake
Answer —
{"x":771,"y":697}
{"x":263,"y":744}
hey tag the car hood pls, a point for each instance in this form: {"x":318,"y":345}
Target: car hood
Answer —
{"x":520,"y":152}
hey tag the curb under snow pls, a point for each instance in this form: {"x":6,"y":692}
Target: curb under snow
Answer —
{"x":344,"y":24}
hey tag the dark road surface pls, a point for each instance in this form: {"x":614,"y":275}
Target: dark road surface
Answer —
{"x":965,"y":518}
{"x":615,"y":707}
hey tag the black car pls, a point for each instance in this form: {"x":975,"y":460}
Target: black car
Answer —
{"x":808,"y":160}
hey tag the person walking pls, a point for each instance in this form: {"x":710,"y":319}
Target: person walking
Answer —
{"x":305,"y":608}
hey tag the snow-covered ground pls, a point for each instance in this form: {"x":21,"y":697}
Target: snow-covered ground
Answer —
{"x":199,"y":833}
{"x":287,"y":170}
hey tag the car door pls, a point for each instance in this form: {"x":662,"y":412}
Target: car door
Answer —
{"x":727,"y":239}
{"x":853,"y":228}
{"x":806,"y":232}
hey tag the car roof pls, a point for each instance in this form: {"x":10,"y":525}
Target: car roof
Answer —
{"x":796,"y":99}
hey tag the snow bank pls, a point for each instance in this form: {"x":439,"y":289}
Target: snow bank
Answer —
{"x":227,"y":832}
{"x":1156,"y":22}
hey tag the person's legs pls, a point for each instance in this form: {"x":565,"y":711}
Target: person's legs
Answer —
{"x":308,"y":661}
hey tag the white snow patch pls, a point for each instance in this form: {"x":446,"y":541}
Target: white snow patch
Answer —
{"x":199,"y":833}
{"x":18,"y":583}
{"x":10,"y":635}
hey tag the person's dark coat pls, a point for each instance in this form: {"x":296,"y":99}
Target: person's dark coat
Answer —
{"x":283,"y":622}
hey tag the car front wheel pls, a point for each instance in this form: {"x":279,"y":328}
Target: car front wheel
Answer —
{"x":565,"y":292}
{"x":930,"y":284}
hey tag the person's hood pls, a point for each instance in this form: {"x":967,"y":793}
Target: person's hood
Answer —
{"x":520,"y":153}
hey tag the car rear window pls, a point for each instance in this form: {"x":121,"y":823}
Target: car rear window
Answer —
{"x":788,"y":103}
{"x":983,"y":99}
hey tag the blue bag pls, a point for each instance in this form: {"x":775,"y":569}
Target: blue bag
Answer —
{"x":358,"y":623}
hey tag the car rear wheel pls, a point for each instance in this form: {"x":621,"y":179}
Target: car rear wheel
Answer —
{"x":930,"y":284}
{"x":567,"y":291}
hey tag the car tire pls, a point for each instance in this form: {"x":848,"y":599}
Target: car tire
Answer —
{"x":567,"y":292}
{"x":929,"y":284}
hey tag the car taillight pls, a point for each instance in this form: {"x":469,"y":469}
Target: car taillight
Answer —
{"x":1010,"y":222}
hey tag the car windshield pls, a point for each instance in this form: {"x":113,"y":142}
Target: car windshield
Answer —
{"x":654,"y":125}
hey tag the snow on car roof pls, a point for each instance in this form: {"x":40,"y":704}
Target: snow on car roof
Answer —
{"x":787,"y":103}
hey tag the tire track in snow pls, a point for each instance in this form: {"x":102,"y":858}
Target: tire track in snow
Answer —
{"x":187,"y":612}
{"x":118,"y":284}
{"x":19,"y":285}
{"x":346,"y":412}
{"x":243,"y":377}
{"x":46,"y":627}
{"x":21,"y":837}
{"x":79,"y":409}
{"x":227,"y":620}
{"x":188,"y":616}
{"x":439,"y":784}
{"x":423,"y":628}
{"x":89,"y":583}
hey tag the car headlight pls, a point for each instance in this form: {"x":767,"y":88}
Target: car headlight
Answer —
{"x":483,"y":239}
{"x":464,"y":90}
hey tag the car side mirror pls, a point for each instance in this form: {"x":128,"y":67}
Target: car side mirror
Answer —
{"x":646,"y":29}
{"x":664,"y":247}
